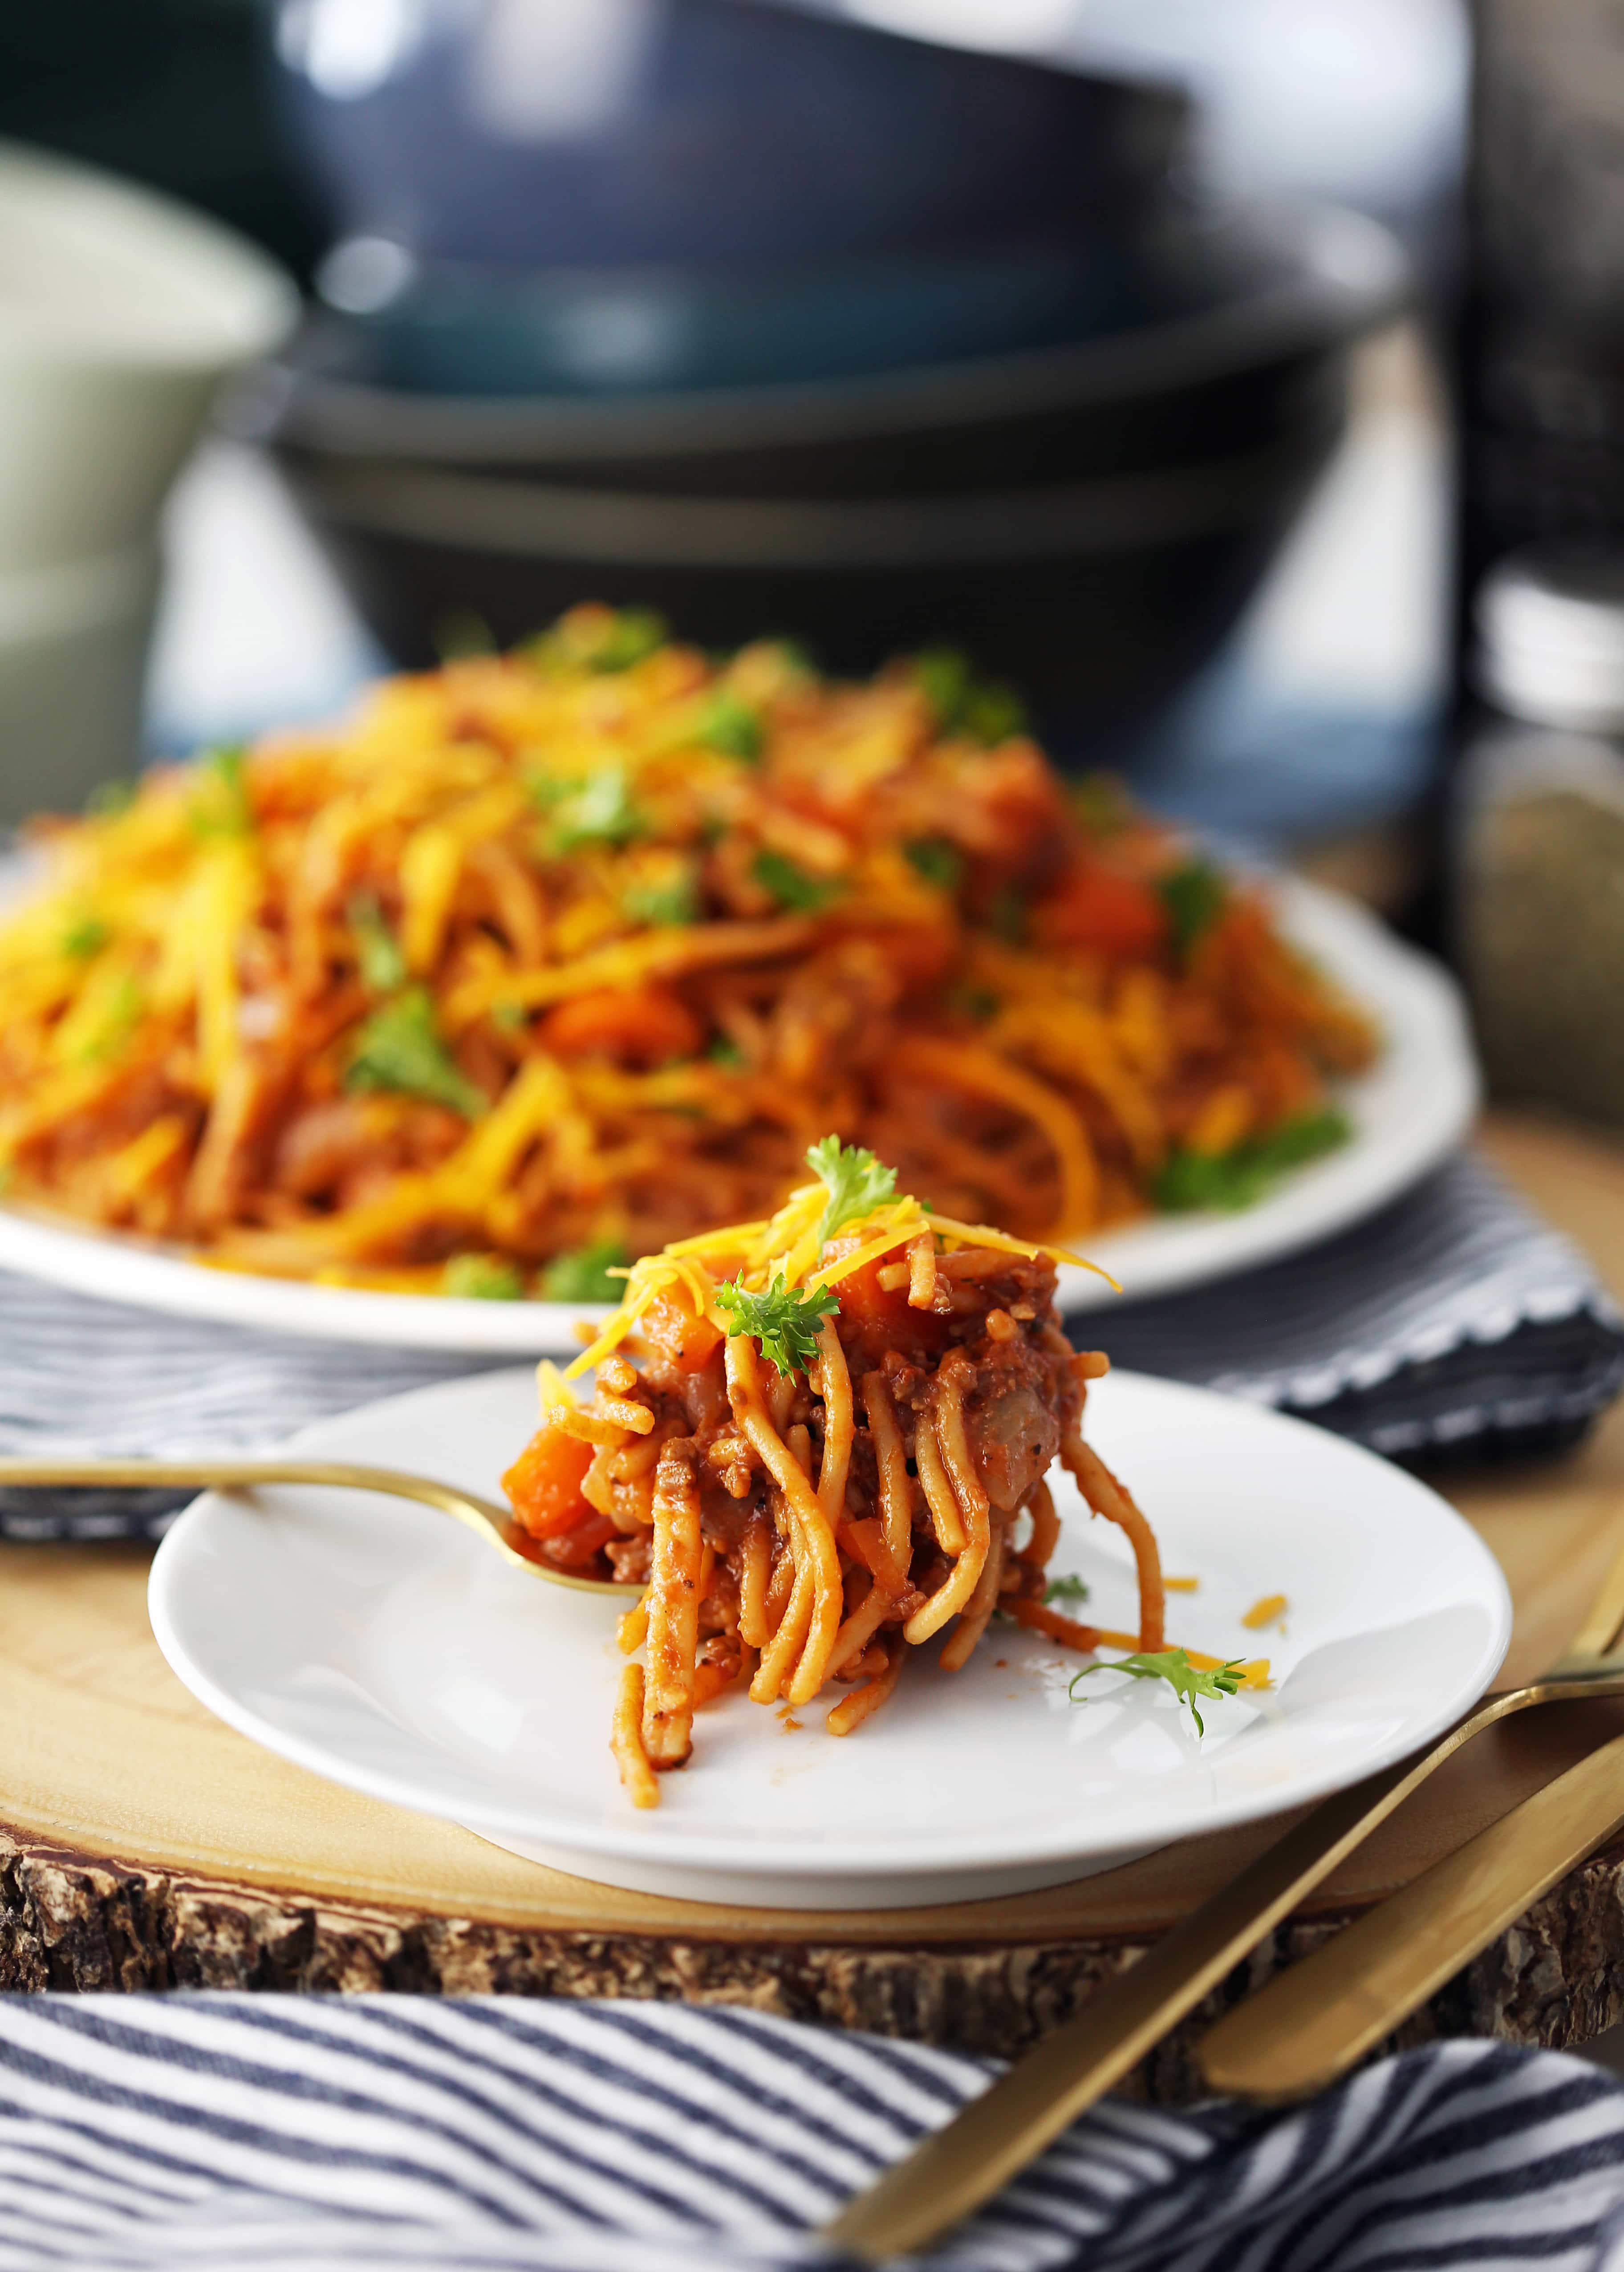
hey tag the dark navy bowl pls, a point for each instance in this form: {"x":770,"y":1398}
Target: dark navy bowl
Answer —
{"x":602,"y":134}
{"x":481,"y":332}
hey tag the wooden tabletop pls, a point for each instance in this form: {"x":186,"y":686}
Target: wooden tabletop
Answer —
{"x":143,"y":1844}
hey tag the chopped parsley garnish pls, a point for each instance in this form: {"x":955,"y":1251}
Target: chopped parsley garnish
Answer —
{"x":377,"y":952}
{"x":599,"y":811}
{"x":730,"y":726}
{"x":219,"y":805}
{"x":462,"y":634}
{"x":1067,"y":1588}
{"x":1187,"y":1681}
{"x":85,"y":937}
{"x":1102,"y":805}
{"x":984,"y":710}
{"x":783,"y":1320}
{"x":630,"y":635}
{"x":854,"y":1180}
{"x":790,"y":886}
{"x":672,"y":899}
{"x":110,"y":798}
{"x":400,"y":1048}
{"x":1240,"y":1176}
{"x":582,"y":1274}
{"x":938,"y":861}
{"x":601,"y":639}
{"x":120,"y":1014}
{"x":598,"y":639}
{"x":483,"y":1278}
{"x":1006,"y":917}
{"x":547,"y":791}
{"x":1194,"y":897}
{"x":724,"y":1051}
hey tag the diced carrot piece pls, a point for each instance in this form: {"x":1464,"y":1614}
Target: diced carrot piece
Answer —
{"x":543,"y":1484}
{"x":645,"y":1026}
{"x":682,"y":1341}
{"x":1099,"y":907}
{"x":875,"y":1319}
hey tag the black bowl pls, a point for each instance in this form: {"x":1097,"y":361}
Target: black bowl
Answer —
{"x":1096,"y":598}
{"x":1244,"y":316}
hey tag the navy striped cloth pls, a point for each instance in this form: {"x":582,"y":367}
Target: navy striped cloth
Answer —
{"x":1454,"y":1320}
{"x":273,"y":2134}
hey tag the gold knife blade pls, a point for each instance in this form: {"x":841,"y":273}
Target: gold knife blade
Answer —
{"x":1306,"y":2027}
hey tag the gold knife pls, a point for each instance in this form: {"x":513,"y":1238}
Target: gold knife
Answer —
{"x":1310,"y":2025}
{"x":954,"y":2170}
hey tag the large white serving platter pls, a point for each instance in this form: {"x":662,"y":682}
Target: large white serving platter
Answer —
{"x":381,"y":1645}
{"x":1407,"y":1113}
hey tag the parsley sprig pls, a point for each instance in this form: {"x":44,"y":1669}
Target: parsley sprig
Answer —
{"x":732,"y":726}
{"x":783,"y":1319}
{"x":1067,"y":1588}
{"x":220,"y":802}
{"x":483,"y":1278}
{"x":789,"y":884}
{"x":1194,"y":897}
{"x":85,"y":937}
{"x":1187,"y":1681}
{"x":980,"y":708}
{"x":669,"y":896}
{"x":377,"y":951}
{"x":854,"y":1179}
{"x":604,"y":640}
{"x":1239,"y":1177}
{"x":400,"y":1048}
{"x":585,"y":1273}
{"x":600,"y":811}
{"x":938,"y":860}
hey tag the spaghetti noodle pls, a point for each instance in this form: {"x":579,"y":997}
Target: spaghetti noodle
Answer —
{"x":829,"y":1457}
{"x":544,"y":960}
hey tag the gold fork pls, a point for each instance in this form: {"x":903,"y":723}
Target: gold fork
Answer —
{"x":952,"y":2172}
{"x":493,"y":1525}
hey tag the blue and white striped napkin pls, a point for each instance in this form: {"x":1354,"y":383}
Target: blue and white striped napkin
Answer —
{"x":1454,"y":1319}
{"x":279,"y":2134}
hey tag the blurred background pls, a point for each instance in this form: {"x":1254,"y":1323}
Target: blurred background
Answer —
{"x":1191,"y":367}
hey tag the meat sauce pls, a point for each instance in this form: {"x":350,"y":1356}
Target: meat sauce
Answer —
{"x":991,"y":1333}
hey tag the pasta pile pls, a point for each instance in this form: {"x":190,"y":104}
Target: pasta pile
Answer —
{"x":544,"y":960}
{"x":833,"y":1451}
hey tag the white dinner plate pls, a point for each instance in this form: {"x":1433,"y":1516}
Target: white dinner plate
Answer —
{"x":382,"y":1645}
{"x":1408,"y":1114}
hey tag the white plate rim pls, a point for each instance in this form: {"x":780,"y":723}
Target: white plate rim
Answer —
{"x":1410,"y":1114}
{"x":681,"y":1849}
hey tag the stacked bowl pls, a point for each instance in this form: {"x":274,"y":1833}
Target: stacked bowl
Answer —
{"x":779,"y":324}
{"x":120,"y":314}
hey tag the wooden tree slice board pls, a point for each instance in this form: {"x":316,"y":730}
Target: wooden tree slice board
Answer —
{"x":143,"y":1844}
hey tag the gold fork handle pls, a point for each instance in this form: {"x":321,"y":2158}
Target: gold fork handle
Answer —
{"x":951,"y":2174}
{"x":228,"y":1474}
{"x":493,"y":1524}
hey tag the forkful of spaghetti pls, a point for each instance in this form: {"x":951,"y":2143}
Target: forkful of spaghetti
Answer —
{"x":831,"y":1450}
